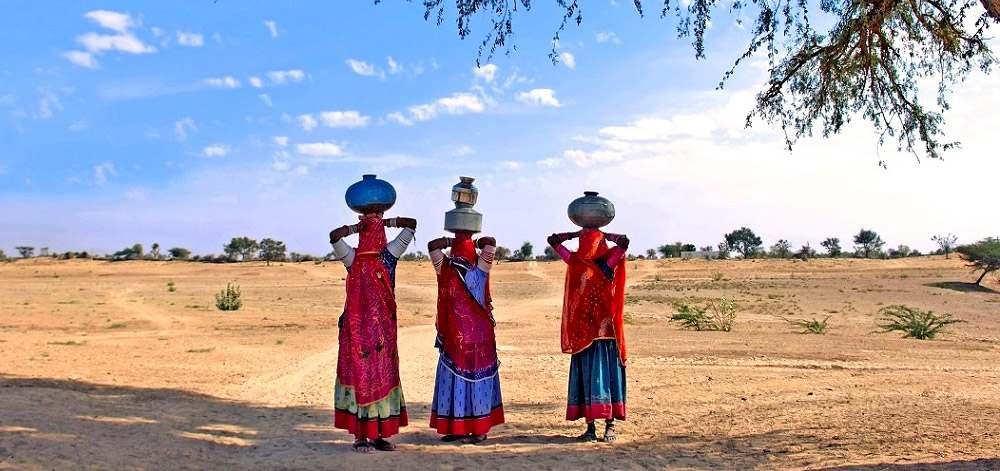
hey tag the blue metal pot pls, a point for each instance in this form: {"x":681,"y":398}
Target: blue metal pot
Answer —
{"x":370,"y":195}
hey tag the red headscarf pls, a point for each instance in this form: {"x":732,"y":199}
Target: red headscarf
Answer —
{"x":593,"y":306}
{"x":464,"y":326}
{"x":369,"y":359}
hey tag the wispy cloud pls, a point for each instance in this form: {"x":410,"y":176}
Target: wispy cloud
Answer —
{"x":455,"y":104}
{"x":102,"y":171}
{"x":82,"y":59}
{"x":223,"y":82}
{"x":216,"y":150}
{"x":568,"y":59}
{"x":265,"y":99}
{"x":184,"y":126}
{"x":190,"y":39}
{"x":394,"y":67}
{"x":343,"y":119}
{"x":320,"y":149}
{"x":364,"y":69}
{"x":272,"y":27}
{"x":486,"y":72}
{"x":95,"y":44}
{"x":255,"y":82}
{"x":281,"y":141}
{"x":113,"y":20}
{"x":540,"y":97}
{"x":607,"y":37}
{"x":48,"y":104}
{"x":398,"y":117}
{"x":307,"y":122}
{"x":281,"y":77}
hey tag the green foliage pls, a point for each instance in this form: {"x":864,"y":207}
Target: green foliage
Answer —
{"x":744,"y":241}
{"x":810,"y":326}
{"x":502,"y":253}
{"x":272,"y":250}
{"x":832,"y":246}
{"x":867,"y":60}
{"x":155,"y":251}
{"x":983,"y":255}
{"x":650,"y":254}
{"x":914,"y":323}
{"x":946,"y":243}
{"x":526,"y":252}
{"x":901,"y":251}
{"x":179,"y":253}
{"x":782,"y":249}
{"x":806,"y":252}
{"x":550,"y":254}
{"x":3,"y":256}
{"x":25,"y":251}
{"x":867,"y":243}
{"x":717,"y":315}
{"x":229,"y":299}
{"x":417,"y":256}
{"x":243,"y":248}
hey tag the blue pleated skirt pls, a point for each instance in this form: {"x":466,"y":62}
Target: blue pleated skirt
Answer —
{"x":597,"y":383}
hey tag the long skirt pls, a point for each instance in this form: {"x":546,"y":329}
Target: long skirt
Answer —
{"x":464,"y":406}
{"x":380,"y":419}
{"x":596,"y":383}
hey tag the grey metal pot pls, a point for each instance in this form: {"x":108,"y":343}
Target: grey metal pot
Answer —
{"x":591,"y":211}
{"x":463,"y":218}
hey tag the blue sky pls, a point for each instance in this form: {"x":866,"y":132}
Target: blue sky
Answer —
{"x":125,"y":122}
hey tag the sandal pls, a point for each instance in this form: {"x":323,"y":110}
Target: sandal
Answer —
{"x":362,"y":446}
{"x":383,"y":445}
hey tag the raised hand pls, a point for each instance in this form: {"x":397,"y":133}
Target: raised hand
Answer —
{"x":341,"y":232}
{"x":620,"y":240}
{"x":409,"y":223}
{"x":558,"y":238}
{"x":440,"y":243}
{"x":486,"y":241}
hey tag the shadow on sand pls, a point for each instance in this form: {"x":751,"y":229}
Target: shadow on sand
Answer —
{"x":962,"y":287}
{"x":66,"y":424}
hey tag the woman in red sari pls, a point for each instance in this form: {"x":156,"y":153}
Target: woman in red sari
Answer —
{"x":368,"y":395}
{"x":593,"y":328}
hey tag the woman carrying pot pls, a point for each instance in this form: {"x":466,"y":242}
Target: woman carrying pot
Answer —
{"x":593,"y":316}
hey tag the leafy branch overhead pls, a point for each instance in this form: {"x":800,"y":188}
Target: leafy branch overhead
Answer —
{"x":870,"y":62}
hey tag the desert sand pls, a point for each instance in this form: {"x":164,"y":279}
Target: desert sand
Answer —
{"x":102,"y":367}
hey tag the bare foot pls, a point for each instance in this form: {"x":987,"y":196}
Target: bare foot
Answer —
{"x":384,"y":445}
{"x":362,"y":446}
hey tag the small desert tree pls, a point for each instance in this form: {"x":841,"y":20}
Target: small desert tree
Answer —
{"x":744,"y":241}
{"x":242,"y":247}
{"x":502,"y":253}
{"x":902,"y":251}
{"x":179,"y":253}
{"x":983,"y":255}
{"x":526,"y":252}
{"x":946,"y":242}
{"x":3,"y":256}
{"x":650,"y":254}
{"x":155,"y":251}
{"x":272,"y":250}
{"x":832,"y":246}
{"x":724,"y":250}
{"x":782,"y":249}
{"x":137,"y":251}
{"x":806,"y":252}
{"x":868,"y":242}
{"x":25,"y":251}
{"x":550,"y":254}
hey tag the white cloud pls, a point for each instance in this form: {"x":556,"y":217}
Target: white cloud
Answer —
{"x":266,"y":99}
{"x":343,"y":119}
{"x":223,"y":82}
{"x":215,"y":150}
{"x":607,"y":37}
{"x":511,"y":165}
{"x":551,"y":162}
{"x":307,"y":122}
{"x":486,"y":72}
{"x":462,"y":151}
{"x":272,"y":27}
{"x":394,"y":67}
{"x":364,"y":68}
{"x":102,"y":171}
{"x":100,"y":43}
{"x":398,"y":117}
{"x":320,"y":149}
{"x":82,"y":59}
{"x":568,"y":59}
{"x":539,"y":97}
{"x":281,"y":141}
{"x":48,"y":104}
{"x":281,"y":77}
{"x":459,"y":103}
{"x":183,"y":126}
{"x":190,"y":39}
{"x":113,"y":20}
{"x":255,"y":82}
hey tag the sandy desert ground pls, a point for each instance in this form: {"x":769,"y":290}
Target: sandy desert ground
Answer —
{"x":102,"y":367}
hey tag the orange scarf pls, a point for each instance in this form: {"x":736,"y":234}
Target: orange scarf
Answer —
{"x":593,"y":305}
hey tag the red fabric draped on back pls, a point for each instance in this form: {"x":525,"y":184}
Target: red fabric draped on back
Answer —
{"x":464,"y":326}
{"x":593,"y":305}
{"x":369,"y":359}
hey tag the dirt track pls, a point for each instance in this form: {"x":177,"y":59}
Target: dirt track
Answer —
{"x":102,"y":367}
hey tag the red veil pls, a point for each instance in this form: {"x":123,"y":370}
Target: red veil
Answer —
{"x":594,"y":305}
{"x":465,"y":327}
{"x":369,"y":359}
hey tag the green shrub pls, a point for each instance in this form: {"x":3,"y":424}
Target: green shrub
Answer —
{"x":914,"y":323}
{"x":229,"y":298}
{"x":170,"y":286}
{"x":810,"y":326}
{"x":717,"y":315}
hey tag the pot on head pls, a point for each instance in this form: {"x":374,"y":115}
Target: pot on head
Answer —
{"x":591,"y":211}
{"x":370,"y":195}
{"x":463,"y":218}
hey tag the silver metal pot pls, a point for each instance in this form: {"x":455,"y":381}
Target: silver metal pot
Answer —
{"x":463,"y":218}
{"x":591,"y":211}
